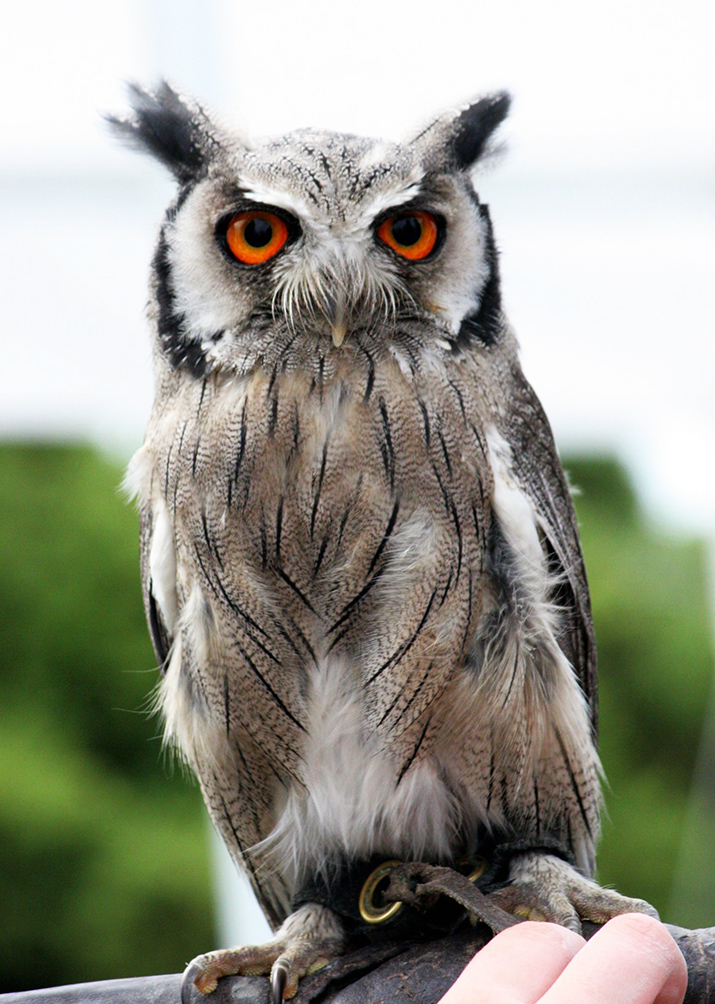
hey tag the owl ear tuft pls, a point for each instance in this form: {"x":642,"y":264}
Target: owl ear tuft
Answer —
{"x":168,"y":127}
{"x":458,"y":140}
{"x":473,"y":128}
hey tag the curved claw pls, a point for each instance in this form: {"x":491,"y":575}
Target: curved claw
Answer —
{"x":187,"y":981}
{"x":279,"y":978}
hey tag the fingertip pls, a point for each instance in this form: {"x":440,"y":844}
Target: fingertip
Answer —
{"x":534,"y":940}
{"x":519,"y":964}
{"x":646,"y":935}
{"x":547,"y":934}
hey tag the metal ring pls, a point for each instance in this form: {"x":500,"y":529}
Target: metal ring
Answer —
{"x":480,"y":866}
{"x":369,"y":911}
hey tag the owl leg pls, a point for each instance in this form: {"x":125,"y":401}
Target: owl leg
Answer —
{"x":544,"y":887}
{"x":309,"y":939}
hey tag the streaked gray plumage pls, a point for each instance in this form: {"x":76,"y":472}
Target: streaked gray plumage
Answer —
{"x":360,"y":558}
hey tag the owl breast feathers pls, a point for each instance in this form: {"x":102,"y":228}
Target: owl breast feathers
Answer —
{"x":360,"y":559}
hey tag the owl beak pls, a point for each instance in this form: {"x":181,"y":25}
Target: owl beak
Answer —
{"x":339,"y":330}
{"x":334,"y":314}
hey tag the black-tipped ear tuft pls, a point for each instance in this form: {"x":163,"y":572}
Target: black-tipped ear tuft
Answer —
{"x":474,"y":127}
{"x":163,"y":124}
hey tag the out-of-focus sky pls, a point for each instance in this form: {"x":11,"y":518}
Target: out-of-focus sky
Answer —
{"x":603,"y":204}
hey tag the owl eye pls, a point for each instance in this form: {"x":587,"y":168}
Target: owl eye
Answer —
{"x":412,"y":235}
{"x":255,"y":236}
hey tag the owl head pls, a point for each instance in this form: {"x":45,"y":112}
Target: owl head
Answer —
{"x":315,"y":236}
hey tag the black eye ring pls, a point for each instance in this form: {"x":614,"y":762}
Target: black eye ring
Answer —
{"x":256,"y":213}
{"x":411,"y":232}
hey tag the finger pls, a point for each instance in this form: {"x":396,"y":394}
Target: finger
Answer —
{"x":632,"y":960}
{"x":516,"y":967}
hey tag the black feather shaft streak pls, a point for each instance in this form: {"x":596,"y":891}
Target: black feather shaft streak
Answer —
{"x":321,"y":555}
{"x":211,"y":544}
{"x":346,"y":514}
{"x":572,"y":779}
{"x":279,"y":527}
{"x":446,"y":588}
{"x":460,"y":542}
{"x":480,"y":440}
{"x":412,"y":699}
{"x":226,"y":705}
{"x":261,"y":678}
{"x":201,"y":398}
{"x":304,"y":640}
{"x":372,"y":578}
{"x":470,"y":589}
{"x":316,"y":501}
{"x":386,"y":447}
{"x":415,"y":751}
{"x":445,"y":452}
{"x":298,"y":592}
{"x":460,"y":399}
{"x":403,"y":649}
{"x":321,"y":373}
{"x":425,"y":421}
{"x":264,"y":541}
{"x":221,"y":592}
{"x":370,"y":381}
{"x":273,"y":419}
{"x":514,"y":668}
{"x":166,"y":470}
{"x":241,"y":443}
{"x":181,"y":437}
{"x":446,"y":497}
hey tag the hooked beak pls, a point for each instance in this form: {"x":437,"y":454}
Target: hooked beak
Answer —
{"x":335,"y":316}
{"x":339,"y":330}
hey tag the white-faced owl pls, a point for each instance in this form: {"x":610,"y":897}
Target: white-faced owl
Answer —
{"x":361,"y":563}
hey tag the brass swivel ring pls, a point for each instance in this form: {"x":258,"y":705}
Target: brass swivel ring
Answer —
{"x":479,"y":866}
{"x":370,"y":909}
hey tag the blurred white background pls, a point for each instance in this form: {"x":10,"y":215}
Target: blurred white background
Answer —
{"x":603,"y":205}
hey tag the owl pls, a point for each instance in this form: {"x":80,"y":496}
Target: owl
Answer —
{"x":360,"y":560}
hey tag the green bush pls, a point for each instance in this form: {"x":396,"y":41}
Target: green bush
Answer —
{"x":653,"y":630}
{"x":104,"y":867}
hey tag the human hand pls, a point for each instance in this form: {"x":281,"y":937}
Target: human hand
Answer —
{"x":632,"y":960}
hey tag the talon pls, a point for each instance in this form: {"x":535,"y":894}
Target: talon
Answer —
{"x":279,"y":978}
{"x":191,"y":974}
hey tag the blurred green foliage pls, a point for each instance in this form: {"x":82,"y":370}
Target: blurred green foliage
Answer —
{"x":653,"y":627}
{"x":104,"y":866}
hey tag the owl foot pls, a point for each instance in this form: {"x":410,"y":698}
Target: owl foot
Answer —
{"x":543,"y":887}
{"x":308,"y":940}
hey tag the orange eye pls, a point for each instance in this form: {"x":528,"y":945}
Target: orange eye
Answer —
{"x":254,"y":237}
{"x":412,"y":235}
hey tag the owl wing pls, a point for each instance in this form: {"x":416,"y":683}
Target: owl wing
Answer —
{"x":537,"y":466}
{"x":238,"y":790}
